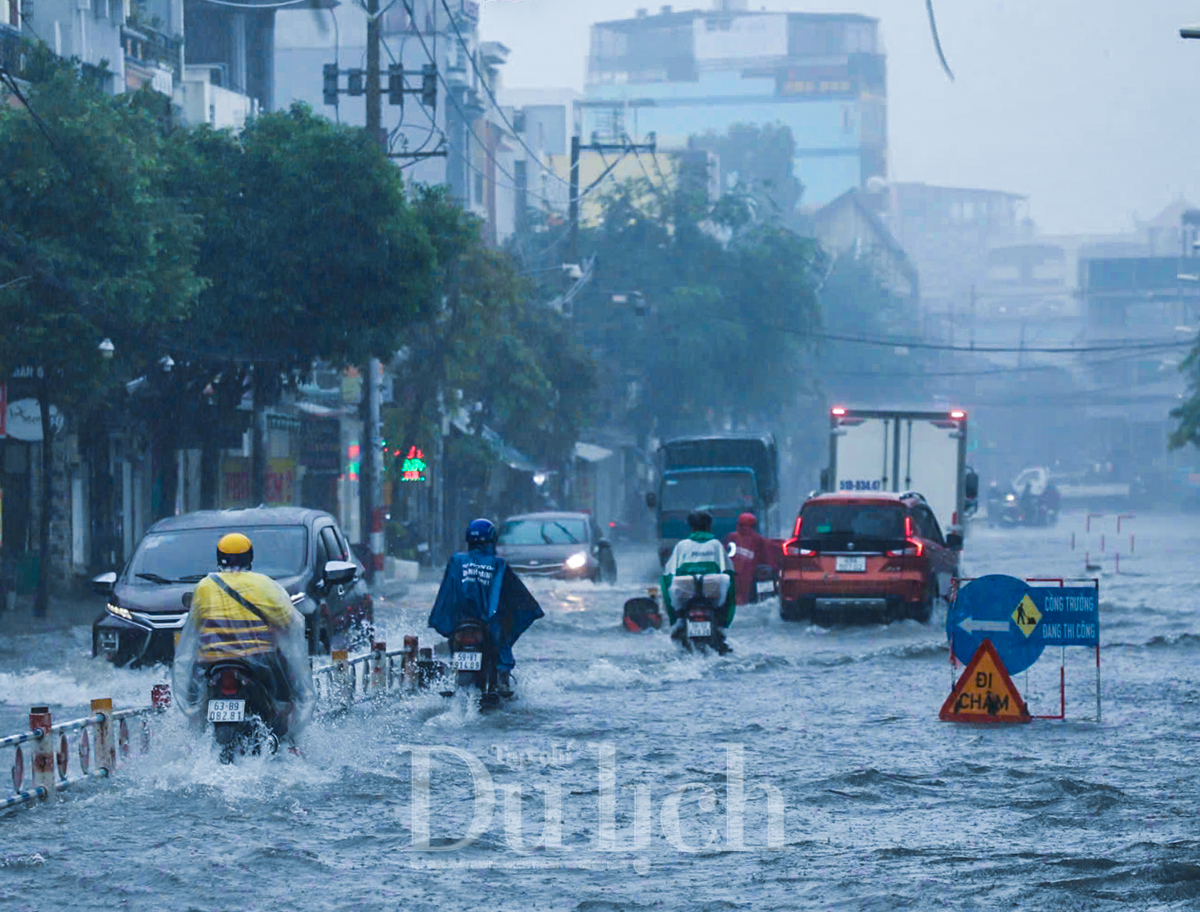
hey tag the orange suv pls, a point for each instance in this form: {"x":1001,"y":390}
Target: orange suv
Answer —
{"x":866,"y":557}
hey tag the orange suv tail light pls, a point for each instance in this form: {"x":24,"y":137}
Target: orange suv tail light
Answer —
{"x":912,"y":547}
{"x":791,"y":547}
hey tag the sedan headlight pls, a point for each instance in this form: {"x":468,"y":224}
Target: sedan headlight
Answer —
{"x":577,"y":561}
{"x":119,"y":611}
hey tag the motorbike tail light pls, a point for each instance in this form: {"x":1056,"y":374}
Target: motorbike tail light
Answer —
{"x":228,"y":682}
{"x":469,"y":637}
{"x":698,"y":614}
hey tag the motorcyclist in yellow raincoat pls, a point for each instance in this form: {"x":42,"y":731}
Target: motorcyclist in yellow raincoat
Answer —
{"x":237,"y":614}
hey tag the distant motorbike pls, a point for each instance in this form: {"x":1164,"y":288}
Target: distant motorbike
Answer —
{"x":245,"y":711}
{"x":697,"y":628}
{"x":766,"y":583}
{"x":1009,"y":510}
{"x":473,"y":664}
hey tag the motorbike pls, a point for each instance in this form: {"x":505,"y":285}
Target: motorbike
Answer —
{"x":698,"y":628}
{"x":244,"y":711}
{"x":766,"y":583}
{"x":1008,"y":510}
{"x":473,"y":664}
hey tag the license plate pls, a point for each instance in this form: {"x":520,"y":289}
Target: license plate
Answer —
{"x":468,"y":661}
{"x":108,"y":639}
{"x":851,"y":565}
{"x":226,"y":710}
{"x":766,"y":587}
{"x":699,"y":629}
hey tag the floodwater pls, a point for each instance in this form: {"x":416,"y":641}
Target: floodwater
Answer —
{"x":854,"y":795}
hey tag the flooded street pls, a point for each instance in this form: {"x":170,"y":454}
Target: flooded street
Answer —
{"x":855,"y":795}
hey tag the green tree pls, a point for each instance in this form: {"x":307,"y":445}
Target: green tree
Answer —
{"x":311,"y":248}
{"x":490,"y":347}
{"x":91,"y":248}
{"x":727,"y":294}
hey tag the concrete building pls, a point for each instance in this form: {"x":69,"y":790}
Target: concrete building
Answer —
{"x":465,"y":135}
{"x":682,"y":74}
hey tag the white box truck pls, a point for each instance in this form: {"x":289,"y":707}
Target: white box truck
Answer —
{"x":898,"y":450}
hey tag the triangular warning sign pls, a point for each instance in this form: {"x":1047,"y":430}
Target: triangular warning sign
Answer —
{"x":984,"y":692}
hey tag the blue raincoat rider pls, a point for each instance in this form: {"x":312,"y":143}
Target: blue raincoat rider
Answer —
{"x":478,"y":584}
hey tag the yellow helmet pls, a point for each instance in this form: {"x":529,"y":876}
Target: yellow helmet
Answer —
{"x":234,"y":550}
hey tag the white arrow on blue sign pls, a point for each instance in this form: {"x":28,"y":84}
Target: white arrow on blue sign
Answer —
{"x":970,"y":625}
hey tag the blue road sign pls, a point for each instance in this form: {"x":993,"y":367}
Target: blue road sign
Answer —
{"x":1021,"y":620}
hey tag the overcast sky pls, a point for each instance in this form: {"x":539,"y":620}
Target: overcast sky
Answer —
{"x":1090,"y":107}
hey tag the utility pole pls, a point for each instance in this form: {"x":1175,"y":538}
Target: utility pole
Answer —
{"x":624,"y":148}
{"x":368,"y":83}
{"x":371,"y":483}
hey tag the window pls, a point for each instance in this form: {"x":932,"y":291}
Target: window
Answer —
{"x":188,"y":554}
{"x":322,"y":553}
{"x":565,"y":531}
{"x":847,"y":522}
{"x":926,"y":525}
{"x":332,"y":544}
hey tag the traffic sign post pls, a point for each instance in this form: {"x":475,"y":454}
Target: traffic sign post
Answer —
{"x":1019,"y":620}
{"x":985,"y":692}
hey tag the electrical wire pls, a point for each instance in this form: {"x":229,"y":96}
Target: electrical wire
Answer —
{"x":487,"y":88}
{"x":466,"y":121}
{"x":989,"y":372}
{"x":259,"y":6}
{"x":1125,"y":345}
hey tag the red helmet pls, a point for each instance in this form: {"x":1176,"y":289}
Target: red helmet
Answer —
{"x":748,"y":519}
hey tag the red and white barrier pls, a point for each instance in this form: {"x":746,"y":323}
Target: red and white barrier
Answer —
{"x":51,"y":760}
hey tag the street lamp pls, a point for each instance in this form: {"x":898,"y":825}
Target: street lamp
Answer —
{"x":106,"y":349}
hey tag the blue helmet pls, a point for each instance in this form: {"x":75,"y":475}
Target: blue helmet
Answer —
{"x":482,"y":532}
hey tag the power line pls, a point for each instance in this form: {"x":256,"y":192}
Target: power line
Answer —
{"x":1126,"y":345}
{"x":998,"y":371}
{"x":487,"y":88}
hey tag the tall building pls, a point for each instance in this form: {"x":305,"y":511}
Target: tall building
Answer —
{"x":681,"y":74}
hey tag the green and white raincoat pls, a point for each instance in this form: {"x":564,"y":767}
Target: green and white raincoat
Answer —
{"x":699,"y":553}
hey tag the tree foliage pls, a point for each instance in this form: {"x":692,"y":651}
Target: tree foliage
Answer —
{"x":489,"y":348}
{"x":729,"y":301}
{"x":90,"y":247}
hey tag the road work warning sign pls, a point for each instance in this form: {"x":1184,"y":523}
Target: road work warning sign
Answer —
{"x":985,"y":692}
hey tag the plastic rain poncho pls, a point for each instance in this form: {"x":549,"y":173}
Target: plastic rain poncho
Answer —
{"x":270,"y":640}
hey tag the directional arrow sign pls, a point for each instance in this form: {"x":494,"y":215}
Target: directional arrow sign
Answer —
{"x":970,"y":625}
{"x":985,"y":608}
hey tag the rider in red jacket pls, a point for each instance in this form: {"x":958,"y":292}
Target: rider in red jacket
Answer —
{"x":753,"y":550}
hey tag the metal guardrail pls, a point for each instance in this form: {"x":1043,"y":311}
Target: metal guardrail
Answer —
{"x":51,"y":763}
{"x":341,"y":682}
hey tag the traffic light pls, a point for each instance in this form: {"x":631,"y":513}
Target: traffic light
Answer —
{"x":429,"y":85}
{"x":355,"y":82}
{"x":396,"y":85}
{"x":331,"y":83}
